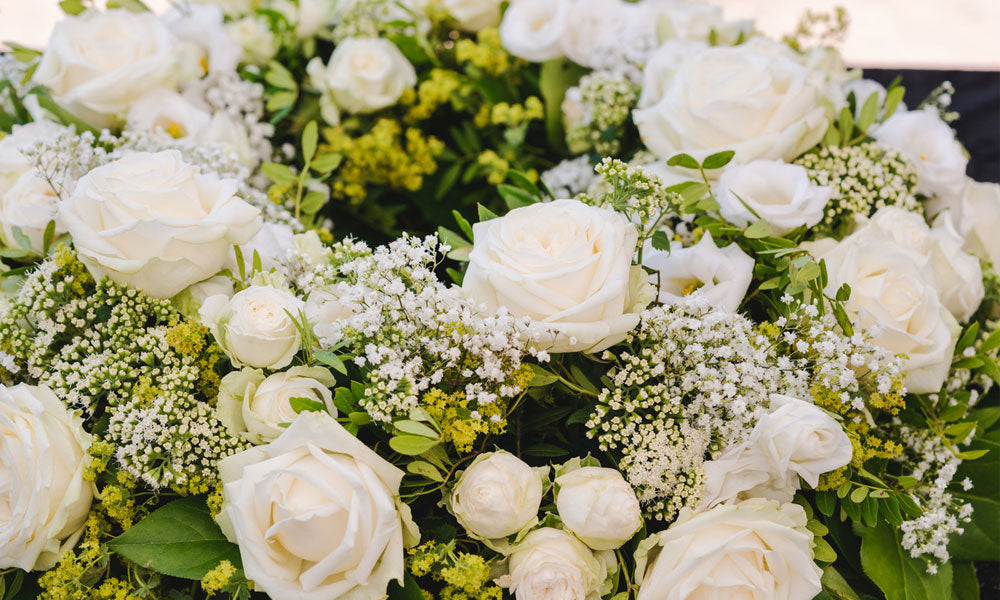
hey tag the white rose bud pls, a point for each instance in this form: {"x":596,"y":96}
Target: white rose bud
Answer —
{"x":255,"y":37}
{"x":552,"y":564}
{"x":254,"y":327}
{"x":316,"y":514}
{"x":782,"y":195}
{"x":98,"y":63}
{"x":759,"y":547}
{"x":533,"y":30}
{"x":43,"y":454}
{"x":474,"y":15}
{"x":363,"y":75}
{"x":598,"y":506}
{"x":732,"y":98}
{"x":979,"y":219}
{"x":720,"y":276}
{"x":564,"y":264}
{"x":593,"y":27}
{"x":929,"y":143}
{"x":498,"y":495}
{"x":254,"y":407}
{"x":29,"y":205}
{"x":796,"y":439}
{"x":155,"y":223}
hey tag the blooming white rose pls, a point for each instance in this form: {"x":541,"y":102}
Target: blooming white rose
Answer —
{"x":796,"y":439}
{"x":733,"y":98}
{"x":232,"y":8}
{"x":598,"y":506}
{"x":231,"y":134}
{"x":552,"y":564}
{"x":255,"y":37}
{"x":29,"y":205}
{"x":316,"y":514}
{"x":721,"y":276}
{"x":695,"y":21}
{"x":592,"y":26}
{"x":254,"y":407}
{"x":169,"y":113}
{"x":890,"y":290}
{"x":534,"y":30}
{"x":498,"y":495}
{"x":929,"y":143}
{"x":43,"y":454}
{"x":780,"y":194}
{"x":759,"y":548}
{"x":363,"y":75}
{"x":13,"y":162}
{"x":473,"y":15}
{"x":254,"y":327}
{"x":324,"y":308}
{"x":564,"y":264}
{"x":189,"y":301}
{"x":202,"y":26}
{"x":98,"y":63}
{"x":956,"y":274}
{"x":307,"y":17}
{"x":154,"y":222}
{"x":979,"y":219}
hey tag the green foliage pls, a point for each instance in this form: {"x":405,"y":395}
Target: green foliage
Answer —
{"x":895,"y":572}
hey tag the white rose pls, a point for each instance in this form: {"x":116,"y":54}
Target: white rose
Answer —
{"x":695,"y":21}
{"x":661,"y":69}
{"x":551,"y":564}
{"x":929,"y":143}
{"x":202,"y":26}
{"x":720,"y":276}
{"x":473,"y":15}
{"x":564,"y":264}
{"x":363,"y":75}
{"x":274,"y":244}
{"x":232,"y":8}
{"x":98,"y":63}
{"x":13,"y":162}
{"x":168,"y":113}
{"x":254,"y":327}
{"x":796,"y":439}
{"x":154,"y":222}
{"x":189,"y":301}
{"x":598,"y":506}
{"x":316,"y":514}
{"x":594,"y":26}
{"x":890,"y":290}
{"x":733,"y":98}
{"x":779,"y":193}
{"x":231,"y":134}
{"x":498,"y":495}
{"x":255,"y":37}
{"x":43,"y":454}
{"x":979,"y":219}
{"x":533,"y":30}
{"x":254,"y":407}
{"x":324,"y":308}
{"x":956,"y":274}
{"x":308,"y":17}
{"x":757,"y":547}
{"x":29,"y":205}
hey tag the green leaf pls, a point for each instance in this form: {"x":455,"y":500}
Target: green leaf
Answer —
{"x":515,"y":197}
{"x":892,"y":100}
{"x":486,"y":214}
{"x":180,"y":539}
{"x":960,"y":431}
{"x":279,"y":173}
{"x":869,"y":112}
{"x":408,"y":591}
{"x":545,"y":450}
{"x":757,"y":230}
{"x":72,"y":7}
{"x":416,"y":428}
{"x":990,"y":343}
{"x":463,"y":224}
{"x":343,"y":399}
{"x":831,"y":137}
{"x":281,"y":99}
{"x":835,"y":585}
{"x":542,"y":377}
{"x":310,"y":137}
{"x":718,"y":160}
{"x":823,"y":551}
{"x":359,"y":418}
{"x":660,"y":240}
{"x":312,"y":202}
{"x":965,"y":585}
{"x":411,"y":445}
{"x":300,"y":405}
{"x":981,"y":538}
{"x":826,"y":502}
{"x":685,"y":161}
{"x":331,"y":360}
{"x":425,"y":469}
{"x":890,"y":509}
{"x":22,"y":240}
{"x":895,"y":572}
{"x":280,"y":77}
{"x":326,"y":162}
{"x":554,"y":78}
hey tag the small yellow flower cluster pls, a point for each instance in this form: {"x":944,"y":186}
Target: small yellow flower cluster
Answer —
{"x":457,"y":426}
{"x":495,"y":166}
{"x":486,"y":54}
{"x":385,"y":155}
{"x":189,"y":338}
{"x":436,"y":90}
{"x":100,"y":453}
{"x":66,"y":580}
{"x":218,"y":578}
{"x":465,"y":576}
{"x":74,"y":270}
{"x":513,"y":115}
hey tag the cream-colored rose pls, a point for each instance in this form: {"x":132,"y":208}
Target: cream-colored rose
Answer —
{"x":154,"y":222}
{"x":598,"y":506}
{"x":929,"y":143}
{"x":307,"y":17}
{"x":758,"y":548}
{"x":566,"y":265}
{"x":552,"y":564}
{"x":202,"y":27}
{"x":498,"y":495}
{"x":45,"y":500}
{"x":780,"y":194}
{"x":891,"y":290}
{"x":29,"y":205}
{"x":732,"y":98}
{"x":254,"y":407}
{"x":979,"y":219}
{"x":13,"y":162}
{"x":255,"y":327}
{"x":98,"y":64}
{"x":721,"y":276}
{"x":363,"y":75}
{"x":796,"y":439}
{"x":169,"y":114}
{"x":595,"y":26}
{"x":473,"y":15}
{"x":534,"y":30}
{"x":316,"y":514}
{"x":695,"y":21}
{"x":255,"y":37}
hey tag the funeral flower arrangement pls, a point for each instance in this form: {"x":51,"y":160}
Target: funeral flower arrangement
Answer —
{"x":469,"y":299}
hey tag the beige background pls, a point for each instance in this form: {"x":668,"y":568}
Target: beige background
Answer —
{"x":963,"y":34}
